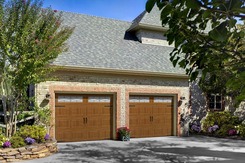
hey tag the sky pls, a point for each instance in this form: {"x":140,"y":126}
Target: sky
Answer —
{"x":125,"y":10}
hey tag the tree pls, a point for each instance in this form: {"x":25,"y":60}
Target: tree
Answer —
{"x":207,"y":40}
{"x":30,"y":38}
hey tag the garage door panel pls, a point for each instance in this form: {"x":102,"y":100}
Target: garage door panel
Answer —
{"x":168,"y":111}
{"x":98,"y":134}
{"x":134,"y":120}
{"x":152,"y":118}
{"x":63,"y":124}
{"x":159,"y":132}
{"x":75,"y":111}
{"x":168,"y":118}
{"x":98,"y":111}
{"x":62,"y":111}
{"x":77,"y":122}
{"x":83,"y":117}
{"x":106,"y":111}
{"x":158,"y":119}
{"x":136,"y":132}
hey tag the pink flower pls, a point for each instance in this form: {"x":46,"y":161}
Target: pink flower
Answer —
{"x":232,"y":132}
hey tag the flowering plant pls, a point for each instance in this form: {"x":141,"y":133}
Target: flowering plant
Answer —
{"x":29,"y":140}
{"x":232,"y":132}
{"x":213,"y":128}
{"x":196,"y":128}
{"x":47,"y":137}
{"x":2,"y":139}
{"x":123,"y":132}
{"x":7,"y":144}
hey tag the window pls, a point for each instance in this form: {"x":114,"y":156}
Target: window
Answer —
{"x":139,"y":99}
{"x":95,"y":99}
{"x":67,"y":98}
{"x":162,"y":99}
{"x":215,"y":102}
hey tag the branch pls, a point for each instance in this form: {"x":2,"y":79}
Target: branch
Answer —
{"x":222,"y":12}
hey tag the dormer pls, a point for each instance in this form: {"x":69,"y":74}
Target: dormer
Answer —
{"x":148,"y":28}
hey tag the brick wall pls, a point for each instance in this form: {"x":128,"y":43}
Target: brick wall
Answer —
{"x":118,"y":85}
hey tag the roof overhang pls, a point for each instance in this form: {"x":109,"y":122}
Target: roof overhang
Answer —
{"x":148,"y":27}
{"x":121,"y":72}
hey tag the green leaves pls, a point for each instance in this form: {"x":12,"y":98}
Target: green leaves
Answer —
{"x":149,"y":5}
{"x":206,"y":38}
{"x":194,"y":4}
{"x":236,"y":4}
{"x":206,"y":14}
{"x":219,"y":33}
{"x":166,"y":11}
{"x":30,"y":38}
{"x":194,"y":75}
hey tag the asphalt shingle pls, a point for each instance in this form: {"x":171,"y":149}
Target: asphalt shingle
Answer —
{"x":104,"y":43}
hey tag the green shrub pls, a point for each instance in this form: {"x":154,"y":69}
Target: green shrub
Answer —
{"x":24,"y":115}
{"x":224,"y":130}
{"x":223,"y":118}
{"x":36,"y":132}
{"x":241,"y":130}
{"x":17,"y":141}
{"x":2,"y":139}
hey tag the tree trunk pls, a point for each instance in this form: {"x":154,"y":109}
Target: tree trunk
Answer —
{"x":4,"y":102}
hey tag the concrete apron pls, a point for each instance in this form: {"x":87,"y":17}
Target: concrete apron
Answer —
{"x":162,"y":149}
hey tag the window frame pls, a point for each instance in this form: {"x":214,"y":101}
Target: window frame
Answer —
{"x":215,"y":102}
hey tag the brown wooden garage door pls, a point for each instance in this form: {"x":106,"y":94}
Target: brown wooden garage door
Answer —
{"x":151,"y":116}
{"x":83,"y":117}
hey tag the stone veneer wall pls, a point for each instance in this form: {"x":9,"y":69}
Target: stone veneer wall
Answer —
{"x":198,"y":103}
{"x":199,"y":106}
{"x":119,"y":85}
{"x":28,"y":152}
{"x":152,"y":38}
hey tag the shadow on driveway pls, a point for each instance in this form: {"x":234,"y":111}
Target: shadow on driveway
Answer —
{"x":164,"y":149}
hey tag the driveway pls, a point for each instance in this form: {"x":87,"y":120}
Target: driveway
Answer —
{"x":159,"y":150}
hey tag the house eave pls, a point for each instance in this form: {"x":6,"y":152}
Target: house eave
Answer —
{"x":148,"y":27}
{"x":122,"y":72}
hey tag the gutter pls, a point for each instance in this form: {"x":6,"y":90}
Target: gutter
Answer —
{"x":120,"y":72}
{"x":147,"y":26}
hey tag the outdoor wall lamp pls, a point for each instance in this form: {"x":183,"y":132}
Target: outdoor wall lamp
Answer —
{"x":47,"y":96}
{"x":182,"y":97}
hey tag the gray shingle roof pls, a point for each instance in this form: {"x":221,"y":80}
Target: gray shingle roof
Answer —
{"x":152,"y":18}
{"x":104,"y":44}
{"x":148,"y":19}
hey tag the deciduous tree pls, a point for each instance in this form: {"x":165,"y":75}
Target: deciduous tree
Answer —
{"x":30,"y":38}
{"x":208,"y":40}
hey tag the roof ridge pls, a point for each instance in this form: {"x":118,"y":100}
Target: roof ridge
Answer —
{"x":139,"y":17}
{"x":100,"y":17}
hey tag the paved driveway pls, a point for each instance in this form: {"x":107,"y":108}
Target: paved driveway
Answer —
{"x":159,"y":150}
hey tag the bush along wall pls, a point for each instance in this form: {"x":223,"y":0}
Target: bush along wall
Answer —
{"x":28,"y":143}
{"x":220,"y":124}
